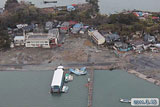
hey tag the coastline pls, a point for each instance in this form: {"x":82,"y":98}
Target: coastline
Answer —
{"x":142,"y":76}
{"x":99,"y":67}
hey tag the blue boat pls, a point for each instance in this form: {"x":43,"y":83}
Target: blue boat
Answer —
{"x":81,"y":71}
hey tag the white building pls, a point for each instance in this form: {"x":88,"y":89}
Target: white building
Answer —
{"x":57,"y":81}
{"x":44,"y":40}
{"x":19,"y":40}
{"x":96,"y":36}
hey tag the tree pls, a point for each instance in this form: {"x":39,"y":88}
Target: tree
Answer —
{"x":95,"y":6}
{"x":4,"y":39}
{"x":123,"y":18}
{"x":11,"y":4}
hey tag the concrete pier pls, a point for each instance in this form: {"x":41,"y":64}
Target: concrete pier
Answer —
{"x":90,"y":87}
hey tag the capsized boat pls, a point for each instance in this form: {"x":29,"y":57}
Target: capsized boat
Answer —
{"x":125,"y":100}
{"x":81,"y":71}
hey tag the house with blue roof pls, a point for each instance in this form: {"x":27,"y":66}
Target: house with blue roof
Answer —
{"x":76,"y":28}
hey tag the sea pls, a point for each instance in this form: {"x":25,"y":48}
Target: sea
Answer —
{"x":31,"y":89}
{"x":106,"y":6}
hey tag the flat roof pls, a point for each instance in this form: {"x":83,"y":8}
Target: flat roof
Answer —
{"x":19,"y":38}
{"x":57,"y":77}
{"x":36,"y":36}
{"x":41,"y":36}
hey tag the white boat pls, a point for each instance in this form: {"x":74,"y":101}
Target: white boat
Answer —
{"x":125,"y":100}
{"x":49,"y":1}
{"x":68,"y":77}
{"x":65,"y":89}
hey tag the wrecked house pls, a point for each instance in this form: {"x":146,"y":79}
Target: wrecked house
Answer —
{"x":29,"y":28}
{"x":110,"y":38}
{"x":153,"y":49}
{"x":124,"y":47}
{"x":149,"y":38}
{"x":20,"y":26}
{"x":139,"y":45}
{"x":54,"y":39}
{"x":48,"y":25}
{"x":137,"y":35}
{"x":64,"y":27}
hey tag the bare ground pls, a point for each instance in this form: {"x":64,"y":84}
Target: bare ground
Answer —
{"x":78,"y":50}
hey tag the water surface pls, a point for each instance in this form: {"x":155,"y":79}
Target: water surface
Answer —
{"x":110,"y":86}
{"x":31,"y":89}
{"x":112,"y":6}
{"x":106,"y":6}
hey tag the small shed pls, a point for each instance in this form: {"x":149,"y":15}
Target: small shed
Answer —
{"x":76,"y":28}
{"x":19,"y":40}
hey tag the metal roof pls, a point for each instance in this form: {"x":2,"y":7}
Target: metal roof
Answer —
{"x":57,"y":77}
